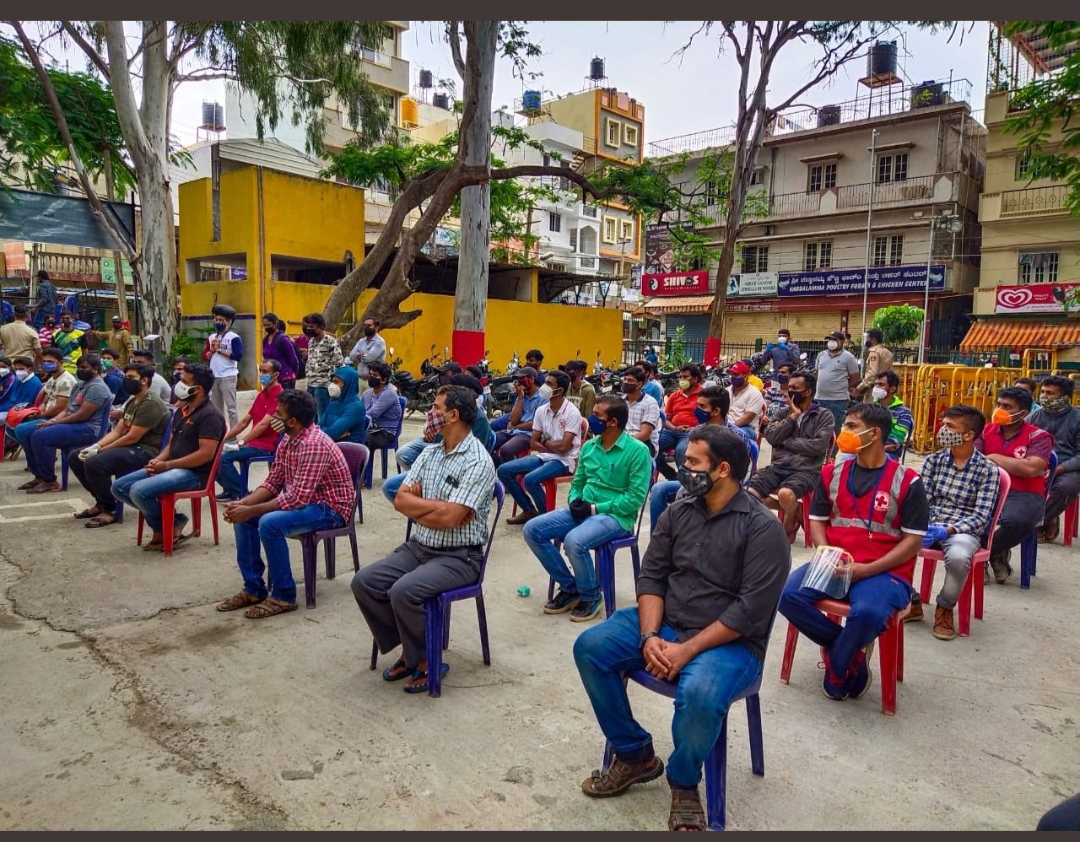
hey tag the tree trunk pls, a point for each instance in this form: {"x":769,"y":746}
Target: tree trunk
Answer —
{"x":470,"y":298}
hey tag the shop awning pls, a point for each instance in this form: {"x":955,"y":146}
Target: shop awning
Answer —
{"x":992,"y":335}
{"x":676,"y":304}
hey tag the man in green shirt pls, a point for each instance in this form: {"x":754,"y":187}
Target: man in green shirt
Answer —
{"x":609,"y":488}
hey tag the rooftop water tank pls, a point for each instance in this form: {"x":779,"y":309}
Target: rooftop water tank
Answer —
{"x":441,"y":101}
{"x":596,"y":68}
{"x":530,"y":101}
{"x":882,"y":58}
{"x":410,"y":112}
{"x":425,"y":79}
{"x":828,"y":115}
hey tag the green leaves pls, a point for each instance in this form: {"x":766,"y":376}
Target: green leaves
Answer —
{"x":899,"y":324}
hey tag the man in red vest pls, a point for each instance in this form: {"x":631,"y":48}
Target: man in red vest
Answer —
{"x":1023,"y":450}
{"x":875,"y":509}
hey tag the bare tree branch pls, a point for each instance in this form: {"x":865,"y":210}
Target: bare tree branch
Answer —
{"x":88,"y":48}
{"x":454,"y":37}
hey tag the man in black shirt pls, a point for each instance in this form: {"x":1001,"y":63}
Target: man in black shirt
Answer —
{"x":198,"y":429}
{"x":702,"y":620}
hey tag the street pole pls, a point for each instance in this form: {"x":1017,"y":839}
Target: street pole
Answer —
{"x":869,"y":217}
{"x":926,"y":293}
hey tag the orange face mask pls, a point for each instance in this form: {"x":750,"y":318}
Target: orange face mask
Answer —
{"x":851,"y":442}
{"x":1002,"y":417}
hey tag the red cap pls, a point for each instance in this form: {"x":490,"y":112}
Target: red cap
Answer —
{"x":739,"y":368}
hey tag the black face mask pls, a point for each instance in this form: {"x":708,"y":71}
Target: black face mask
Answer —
{"x":695,"y":483}
{"x":65,"y":325}
{"x":374,"y":382}
{"x":269,"y":330}
{"x":309,"y":332}
{"x":84,"y":374}
{"x":796,"y":397}
{"x":131,"y":387}
{"x":369,"y":331}
{"x":176,"y":375}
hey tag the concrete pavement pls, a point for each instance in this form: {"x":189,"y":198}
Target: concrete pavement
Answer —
{"x":129,"y":702}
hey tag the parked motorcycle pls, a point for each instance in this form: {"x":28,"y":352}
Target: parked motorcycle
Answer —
{"x":419,"y":394}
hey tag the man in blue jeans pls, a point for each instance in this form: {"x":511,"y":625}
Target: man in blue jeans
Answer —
{"x":309,"y":488}
{"x":197,"y":432}
{"x":707,"y":595}
{"x":609,"y":488}
{"x":837,"y":372}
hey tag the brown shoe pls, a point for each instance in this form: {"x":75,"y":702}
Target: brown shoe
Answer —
{"x":1050,"y":531}
{"x":522,"y":517}
{"x":914,"y":614}
{"x":620,"y":777}
{"x":943,"y":624}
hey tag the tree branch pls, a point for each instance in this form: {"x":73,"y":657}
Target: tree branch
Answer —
{"x":88,"y":48}
{"x":558,"y":172}
{"x":454,"y":37}
{"x":127,"y":110}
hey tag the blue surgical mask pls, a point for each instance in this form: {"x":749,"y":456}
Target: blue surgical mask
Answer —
{"x":596,"y":425}
{"x":264,"y":379}
{"x":49,"y":366}
{"x":220,"y":327}
{"x":701,"y":415}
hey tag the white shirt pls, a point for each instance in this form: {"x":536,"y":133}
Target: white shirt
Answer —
{"x":554,"y":425}
{"x":645,"y":410}
{"x":223,"y":366}
{"x":749,"y":400}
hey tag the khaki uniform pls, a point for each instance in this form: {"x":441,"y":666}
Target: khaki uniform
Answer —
{"x":878,"y":359}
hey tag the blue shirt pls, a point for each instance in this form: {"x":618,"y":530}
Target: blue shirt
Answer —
{"x":528,"y":410}
{"x":655,"y":391}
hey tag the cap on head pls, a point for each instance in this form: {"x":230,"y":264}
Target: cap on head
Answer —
{"x":740,"y":368}
{"x":837,"y":335}
{"x":527,"y":371}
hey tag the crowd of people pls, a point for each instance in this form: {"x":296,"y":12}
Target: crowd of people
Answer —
{"x":703,"y":618}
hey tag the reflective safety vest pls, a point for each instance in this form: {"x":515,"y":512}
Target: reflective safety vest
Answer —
{"x":1016,"y":447}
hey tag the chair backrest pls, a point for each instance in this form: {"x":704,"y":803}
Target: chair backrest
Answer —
{"x":1051,"y":469}
{"x":168,"y":429}
{"x":40,"y":399}
{"x":1004,"y":484}
{"x":212,"y":478}
{"x":498,"y":494}
{"x":645,"y":505}
{"x":357,"y":456}
{"x":105,"y":422}
{"x":404,"y":401}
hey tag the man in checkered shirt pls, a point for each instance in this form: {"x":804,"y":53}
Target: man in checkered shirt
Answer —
{"x":447,"y":494}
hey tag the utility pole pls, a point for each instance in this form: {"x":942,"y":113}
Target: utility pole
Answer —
{"x":869,"y":234}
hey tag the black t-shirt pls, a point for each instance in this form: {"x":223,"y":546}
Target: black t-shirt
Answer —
{"x":203,"y":422}
{"x":914,"y":511}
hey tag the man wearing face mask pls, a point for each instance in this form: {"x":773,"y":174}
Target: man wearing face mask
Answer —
{"x":222,"y":353}
{"x":7,"y":381}
{"x":22,"y":391}
{"x":581,"y":393}
{"x":784,"y":352}
{"x":610,"y":486}
{"x":323,"y":358}
{"x":556,"y":439}
{"x":383,"y":408}
{"x":961,"y":487}
{"x":746,"y":401}
{"x":178,"y":366}
{"x":680,"y":417}
{"x":198,"y":430}
{"x":800,"y":442}
{"x":261,"y":440}
{"x":884,"y":394}
{"x":644,"y":421}
{"x":70,"y":340}
{"x":18,"y":339}
{"x":876,"y":510}
{"x":706,"y":600}
{"x":776,"y":395}
{"x":59,"y":385}
{"x":514,"y":439}
{"x":1012,"y":442}
{"x":369,"y":350}
{"x":879,"y":359}
{"x":130,"y":446}
{"x":159,"y":385}
{"x":309,"y":488}
{"x":119,"y":338}
{"x":344,"y":418}
{"x":1061,"y":419}
{"x":277,"y":346}
{"x":837,"y":373}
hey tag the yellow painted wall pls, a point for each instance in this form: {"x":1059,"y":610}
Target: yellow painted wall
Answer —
{"x":576,"y":111}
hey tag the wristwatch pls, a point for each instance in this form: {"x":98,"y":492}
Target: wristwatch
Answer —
{"x":646,"y":636}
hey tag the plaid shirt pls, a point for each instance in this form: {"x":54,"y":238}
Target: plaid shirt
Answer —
{"x":962,"y":498}
{"x":324,"y":358}
{"x":310,"y":468}
{"x":465,"y":475}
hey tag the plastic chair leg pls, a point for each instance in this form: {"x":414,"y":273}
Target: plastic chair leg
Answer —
{"x":887,"y":661}
{"x":929,"y":567}
{"x":605,"y":573}
{"x":355,"y":552}
{"x":790,"y":643}
{"x":757,"y":741}
{"x":385,"y":452}
{"x":1027,"y":561}
{"x":433,"y":633}
{"x":138,"y":534}
{"x":716,"y":781}
{"x":330,"y":552}
{"x":168,"y":526}
{"x":635,"y":554}
{"x":374,"y":654}
{"x":63,"y":470}
{"x":963,"y":605}
{"x":481,"y":617}
{"x":360,"y":507}
{"x":196,"y":516}
{"x":213,"y":517}
{"x":244,"y":490}
{"x":310,"y":553}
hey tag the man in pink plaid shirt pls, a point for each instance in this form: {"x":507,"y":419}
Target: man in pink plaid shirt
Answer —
{"x":309,"y":488}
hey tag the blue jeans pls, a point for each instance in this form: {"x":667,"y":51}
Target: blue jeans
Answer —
{"x":322,"y":397}
{"x":411,"y":452}
{"x":679,"y":439}
{"x":536,"y":471}
{"x":271,"y":531}
{"x":579,"y":540}
{"x":144,"y":491}
{"x":391,"y":485}
{"x":41,"y":455}
{"x":22,"y":434}
{"x":839,"y":412}
{"x":707,"y":686}
{"x":873,"y":601}
{"x":500,"y":422}
{"x":228,"y":475}
{"x":661,"y":496}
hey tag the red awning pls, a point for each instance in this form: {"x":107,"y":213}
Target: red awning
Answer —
{"x":991,"y":335}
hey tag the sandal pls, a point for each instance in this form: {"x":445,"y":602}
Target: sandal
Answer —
{"x":423,"y":688}
{"x":240,"y":600}
{"x":154,"y":547}
{"x":26,"y":486}
{"x":686,"y":810}
{"x":88,"y":513}
{"x":270,"y":607}
{"x":44,"y":488}
{"x":388,"y":674}
{"x":620,"y":776}
{"x":99,"y":521}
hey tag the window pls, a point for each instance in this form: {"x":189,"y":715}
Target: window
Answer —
{"x":629,"y":134}
{"x":1023,"y":166}
{"x":1038,"y":267}
{"x":892,"y":167}
{"x":626,"y":230}
{"x":822,"y":177}
{"x":712,"y":194}
{"x":896,"y":250}
{"x":613,"y":131}
{"x":817,"y":255}
{"x":755,"y":259}
{"x":609,"y":229}
{"x":881,"y":248}
{"x":554,"y":223}
{"x":758,"y":176}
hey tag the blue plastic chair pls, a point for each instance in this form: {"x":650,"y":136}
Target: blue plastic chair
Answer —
{"x":1029,"y":547}
{"x":119,"y":513}
{"x":245,"y":466}
{"x":437,"y":608}
{"x":64,"y":451}
{"x":716,"y":762}
{"x":370,"y":470}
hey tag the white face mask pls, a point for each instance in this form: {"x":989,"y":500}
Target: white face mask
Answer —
{"x":23,"y":375}
{"x":334,"y":390}
{"x":879,"y":393}
{"x":4,"y":372}
{"x":183,"y":391}
{"x":546,"y":392}
{"x":833,"y":345}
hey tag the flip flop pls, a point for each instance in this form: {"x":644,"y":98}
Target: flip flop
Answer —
{"x":423,"y":688}
{"x":97,"y":523}
{"x":87,"y":513}
{"x":399,"y":664}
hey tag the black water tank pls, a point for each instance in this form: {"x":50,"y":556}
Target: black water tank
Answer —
{"x":441,"y":101}
{"x":208,"y":117}
{"x":882,"y":58}
{"x":596,"y":68}
{"x":828,"y":115}
{"x":425,"y":79}
{"x":926,"y":94}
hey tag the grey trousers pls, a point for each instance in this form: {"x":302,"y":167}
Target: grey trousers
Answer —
{"x":391,"y":592}
{"x":223,"y":396}
{"x":959,"y":550}
{"x":1065,"y":487}
{"x":1022,"y":513}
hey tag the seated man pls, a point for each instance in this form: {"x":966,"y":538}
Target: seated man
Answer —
{"x":609,"y":488}
{"x":1061,"y":419}
{"x":383,"y":408}
{"x":58,"y":385}
{"x":799,"y":441}
{"x":1011,"y":442}
{"x":556,"y":439}
{"x":875,"y":509}
{"x":161,"y":387}
{"x":127,"y":448}
{"x":447,"y":494}
{"x":23,"y":389}
{"x":198,"y":429}
{"x":581,"y":393}
{"x":713,"y":405}
{"x":644,"y":421}
{"x":344,"y":418}
{"x":961,"y":486}
{"x":707,"y":595}
{"x":262,"y":439}
{"x":514,"y":439}
{"x":884,"y":393}
{"x":776,"y":395}
{"x":652,"y":386}
{"x":679,"y":419}
{"x":309,"y":488}
{"x":1028,"y":384}
{"x":111,"y":370}
{"x":746,"y":401}
{"x":75,"y":428}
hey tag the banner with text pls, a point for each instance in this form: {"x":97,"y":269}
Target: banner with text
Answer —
{"x":677,"y":283}
{"x":851,"y":281}
{"x":1035,"y":298}
{"x":752,"y":283}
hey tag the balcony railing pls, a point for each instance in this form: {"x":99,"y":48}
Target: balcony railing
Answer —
{"x":1035,"y":201}
{"x":794,"y":204}
{"x":886,"y":193}
{"x":587,"y":262}
{"x":695,"y":142}
{"x":590,"y":211}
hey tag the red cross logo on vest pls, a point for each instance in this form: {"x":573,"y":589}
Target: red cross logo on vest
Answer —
{"x":1020,"y":451}
{"x":881,"y":501}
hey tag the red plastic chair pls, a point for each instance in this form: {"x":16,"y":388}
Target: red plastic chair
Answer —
{"x":974,"y":581}
{"x":1071,"y":527}
{"x":168,"y":507}
{"x":38,"y":401}
{"x":551,"y":486}
{"x":890,"y":647}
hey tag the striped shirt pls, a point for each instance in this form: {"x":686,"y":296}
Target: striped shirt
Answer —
{"x":310,"y":468}
{"x":465,"y":475}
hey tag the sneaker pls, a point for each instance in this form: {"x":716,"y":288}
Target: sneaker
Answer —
{"x":914,"y":614}
{"x":226,"y":497}
{"x":859,"y":675}
{"x":1001,"y":567}
{"x":563,"y":602}
{"x":586,"y":609}
{"x":834,"y":686}
{"x":943,"y":624}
